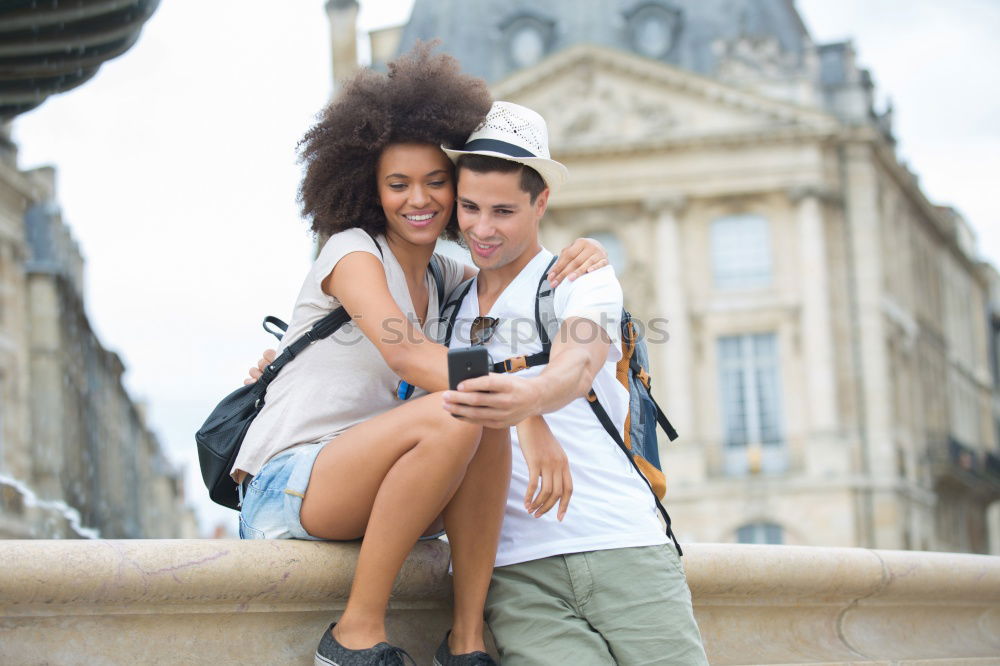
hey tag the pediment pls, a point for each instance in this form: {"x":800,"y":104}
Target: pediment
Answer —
{"x":595,"y":97}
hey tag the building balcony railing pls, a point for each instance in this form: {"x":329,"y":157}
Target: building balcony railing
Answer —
{"x":218,"y":602}
{"x":752,"y":460}
{"x":973,"y":469}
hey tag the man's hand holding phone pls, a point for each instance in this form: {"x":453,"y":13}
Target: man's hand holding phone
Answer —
{"x":467,"y":363}
{"x":494,"y":400}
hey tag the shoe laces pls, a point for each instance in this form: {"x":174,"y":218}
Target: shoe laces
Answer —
{"x":394,"y":656}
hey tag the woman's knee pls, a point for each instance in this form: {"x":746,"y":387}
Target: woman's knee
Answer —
{"x":462,"y":436}
{"x":438,"y":418}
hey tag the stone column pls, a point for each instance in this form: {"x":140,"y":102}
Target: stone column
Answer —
{"x":673,"y":358}
{"x":343,"y":15}
{"x":817,"y":329}
{"x":877,"y":523}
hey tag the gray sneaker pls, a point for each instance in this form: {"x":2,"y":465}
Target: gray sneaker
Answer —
{"x":444,"y":657}
{"x":332,"y":653}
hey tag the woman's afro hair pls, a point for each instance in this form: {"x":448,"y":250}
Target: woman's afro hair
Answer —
{"x":423,"y":98}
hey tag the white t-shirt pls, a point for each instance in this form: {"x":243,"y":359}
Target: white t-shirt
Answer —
{"x":341,"y":380}
{"x":611,"y":506}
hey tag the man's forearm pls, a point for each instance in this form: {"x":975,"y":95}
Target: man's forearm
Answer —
{"x":567,"y":377}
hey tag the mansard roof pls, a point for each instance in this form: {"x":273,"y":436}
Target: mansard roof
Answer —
{"x":684,"y":33}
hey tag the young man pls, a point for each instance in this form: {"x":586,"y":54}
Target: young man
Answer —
{"x":598,"y":582}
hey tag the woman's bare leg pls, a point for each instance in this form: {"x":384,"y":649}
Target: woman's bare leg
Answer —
{"x":387,"y":479}
{"x":472,"y":519}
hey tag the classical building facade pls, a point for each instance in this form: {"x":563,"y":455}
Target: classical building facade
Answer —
{"x":76,"y":456}
{"x":818,"y":327}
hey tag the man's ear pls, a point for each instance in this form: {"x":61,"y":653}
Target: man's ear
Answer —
{"x":542,"y":202}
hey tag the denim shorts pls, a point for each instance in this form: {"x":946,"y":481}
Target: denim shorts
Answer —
{"x":273,"y":499}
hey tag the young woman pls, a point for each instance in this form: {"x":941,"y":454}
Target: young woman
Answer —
{"x":335,"y":454}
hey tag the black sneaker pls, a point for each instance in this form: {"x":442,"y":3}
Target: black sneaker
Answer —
{"x":332,"y":653}
{"x":444,"y":657}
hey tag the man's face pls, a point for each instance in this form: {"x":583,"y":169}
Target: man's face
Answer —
{"x":497,"y":219}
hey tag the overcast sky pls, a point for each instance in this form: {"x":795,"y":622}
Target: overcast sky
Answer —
{"x":177,"y":171}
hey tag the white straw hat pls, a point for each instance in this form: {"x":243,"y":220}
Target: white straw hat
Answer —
{"x":516,"y":133}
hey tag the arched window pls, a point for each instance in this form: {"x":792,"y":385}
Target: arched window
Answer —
{"x":614,"y":247}
{"x":761,"y":533}
{"x":741,"y":252}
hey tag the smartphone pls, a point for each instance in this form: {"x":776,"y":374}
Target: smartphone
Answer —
{"x":466,"y":363}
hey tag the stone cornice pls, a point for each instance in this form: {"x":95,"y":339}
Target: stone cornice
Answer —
{"x":675,"y":204}
{"x":737,"y":139}
{"x":660,"y":74}
{"x":822,"y":193}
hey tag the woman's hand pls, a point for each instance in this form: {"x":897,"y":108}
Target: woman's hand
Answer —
{"x":548,"y":468}
{"x":266,"y":358}
{"x":582,"y":256}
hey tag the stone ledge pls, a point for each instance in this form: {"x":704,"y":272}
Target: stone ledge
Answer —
{"x":218,"y":602}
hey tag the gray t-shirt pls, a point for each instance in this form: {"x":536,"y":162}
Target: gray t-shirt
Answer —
{"x":342,"y":380}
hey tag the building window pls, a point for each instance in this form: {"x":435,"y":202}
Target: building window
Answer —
{"x":760,"y":533}
{"x":528,"y":39}
{"x":653,"y":29}
{"x":741,"y":252}
{"x":751,"y":404}
{"x":614,"y":247}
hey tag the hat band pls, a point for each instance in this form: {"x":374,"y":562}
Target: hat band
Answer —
{"x":497,"y":146}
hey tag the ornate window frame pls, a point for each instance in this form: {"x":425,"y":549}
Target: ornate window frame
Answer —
{"x":640,"y":16}
{"x":543,"y":25}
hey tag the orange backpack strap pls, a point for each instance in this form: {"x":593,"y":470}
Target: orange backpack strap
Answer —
{"x":657,"y":479}
{"x":621,"y":373}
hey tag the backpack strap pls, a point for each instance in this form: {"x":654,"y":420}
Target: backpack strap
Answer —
{"x":640,"y":373}
{"x":546,"y":322}
{"x":518,"y":363}
{"x":377,"y":246}
{"x":449,"y":311}
{"x":437,"y":274}
{"x":273,"y":325}
{"x":661,"y":418}
{"x":277,"y":327}
{"x":324,"y":328}
{"x":609,"y":426}
{"x":404,"y":390}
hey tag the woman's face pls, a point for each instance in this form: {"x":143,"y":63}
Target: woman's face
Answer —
{"x":416,"y":186}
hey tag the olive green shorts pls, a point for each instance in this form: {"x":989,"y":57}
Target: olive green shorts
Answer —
{"x":628,"y":606}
